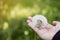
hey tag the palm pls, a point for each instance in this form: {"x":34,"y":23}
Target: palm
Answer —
{"x":44,"y":33}
{"x":47,"y":34}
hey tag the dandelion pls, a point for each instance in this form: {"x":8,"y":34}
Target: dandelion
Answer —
{"x":39,"y":21}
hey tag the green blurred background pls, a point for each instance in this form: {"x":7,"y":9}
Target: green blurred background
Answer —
{"x":14,"y":14}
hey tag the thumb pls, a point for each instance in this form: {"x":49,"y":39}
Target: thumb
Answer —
{"x":55,"y":23}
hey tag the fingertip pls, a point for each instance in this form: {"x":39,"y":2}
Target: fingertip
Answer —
{"x":29,"y":17}
{"x":55,"y":21}
{"x":27,"y":20}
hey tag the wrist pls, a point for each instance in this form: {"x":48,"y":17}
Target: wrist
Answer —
{"x":56,"y":36}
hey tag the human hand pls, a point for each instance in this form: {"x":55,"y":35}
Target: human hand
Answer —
{"x":46,"y":33}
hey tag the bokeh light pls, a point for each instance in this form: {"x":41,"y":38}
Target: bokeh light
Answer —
{"x":26,"y":33}
{"x":5,"y":25}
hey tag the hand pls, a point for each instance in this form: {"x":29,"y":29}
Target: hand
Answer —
{"x":48,"y":32}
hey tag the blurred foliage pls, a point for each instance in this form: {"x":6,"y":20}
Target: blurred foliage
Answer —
{"x":14,"y":14}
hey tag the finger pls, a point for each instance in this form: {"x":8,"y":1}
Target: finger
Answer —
{"x":29,"y":18}
{"x":29,"y":21}
{"x":55,"y":23}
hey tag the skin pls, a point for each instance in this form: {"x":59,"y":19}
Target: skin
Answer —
{"x":46,"y":33}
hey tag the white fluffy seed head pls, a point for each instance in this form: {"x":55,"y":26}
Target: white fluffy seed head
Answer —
{"x":39,"y":20}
